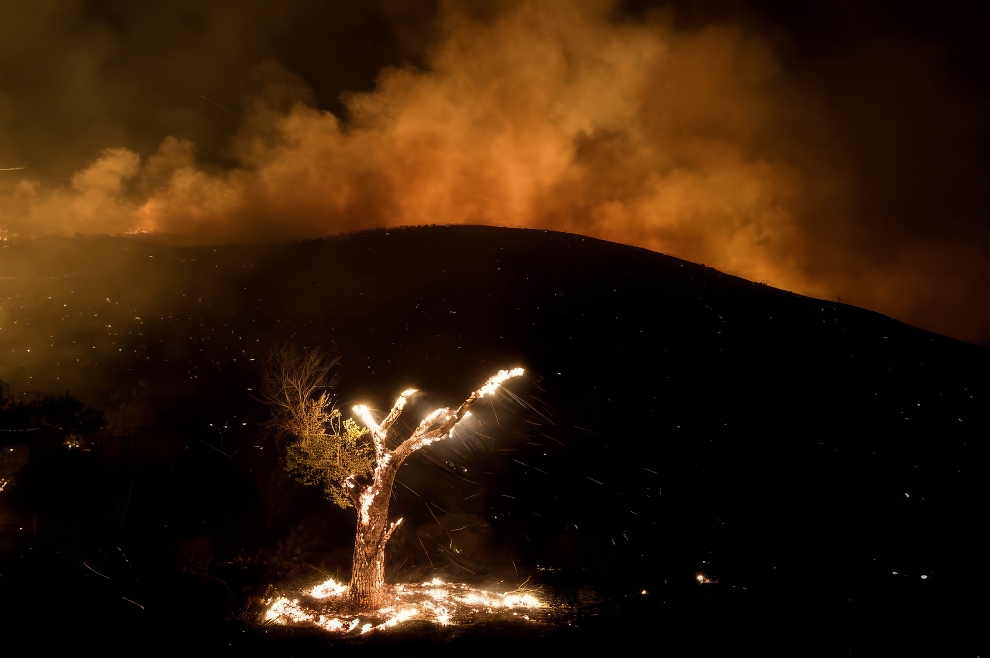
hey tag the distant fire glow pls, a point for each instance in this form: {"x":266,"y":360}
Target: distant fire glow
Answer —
{"x":435,"y":602}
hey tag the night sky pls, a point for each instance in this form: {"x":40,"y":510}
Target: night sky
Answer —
{"x":835,"y":149}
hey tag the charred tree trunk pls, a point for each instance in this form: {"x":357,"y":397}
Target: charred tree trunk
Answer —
{"x":367,"y":587}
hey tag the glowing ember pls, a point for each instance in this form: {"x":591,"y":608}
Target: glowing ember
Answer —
{"x":432,"y":417}
{"x":282,"y":608}
{"x":436,"y":602}
{"x":328,"y":588}
{"x":705,"y":579}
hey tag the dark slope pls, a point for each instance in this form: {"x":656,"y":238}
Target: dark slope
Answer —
{"x":691,"y":421}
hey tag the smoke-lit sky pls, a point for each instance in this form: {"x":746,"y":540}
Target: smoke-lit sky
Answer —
{"x":832,"y":148}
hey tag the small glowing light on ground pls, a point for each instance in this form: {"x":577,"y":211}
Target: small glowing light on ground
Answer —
{"x":328,"y":588}
{"x":436,"y":602}
{"x":704,"y":578}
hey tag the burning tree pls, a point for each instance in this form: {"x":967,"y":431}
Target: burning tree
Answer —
{"x":336,"y":453}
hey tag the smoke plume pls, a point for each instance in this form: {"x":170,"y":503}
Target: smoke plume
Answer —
{"x":705,"y":142}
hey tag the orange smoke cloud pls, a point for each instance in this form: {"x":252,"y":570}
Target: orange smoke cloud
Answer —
{"x":544,"y":115}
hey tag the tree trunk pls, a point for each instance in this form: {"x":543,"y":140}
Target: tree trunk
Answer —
{"x":367,"y":588}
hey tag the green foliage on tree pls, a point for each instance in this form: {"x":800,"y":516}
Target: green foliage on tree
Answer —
{"x":322,"y":448}
{"x":329,"y":458}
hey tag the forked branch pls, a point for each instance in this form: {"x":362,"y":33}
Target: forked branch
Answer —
{"x":380,"y":431}
{"x":438,"y":425}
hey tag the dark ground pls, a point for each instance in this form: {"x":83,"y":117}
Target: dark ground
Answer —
{"x":816,"y":458}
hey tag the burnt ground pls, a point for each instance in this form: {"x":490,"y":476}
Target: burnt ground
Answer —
{"x":826,"y":464}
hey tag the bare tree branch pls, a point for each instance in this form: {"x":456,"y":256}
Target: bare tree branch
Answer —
{"x":397,"y":408}
{"x":438,"y":425}
{"x":379,"y":432}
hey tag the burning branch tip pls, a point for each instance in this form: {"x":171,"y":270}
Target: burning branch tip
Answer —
{"x":365,"y":414}
{"x":431,"y":417}
{"x":496,"y":380}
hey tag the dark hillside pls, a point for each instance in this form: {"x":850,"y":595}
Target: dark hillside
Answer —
{"x":827,"y":464}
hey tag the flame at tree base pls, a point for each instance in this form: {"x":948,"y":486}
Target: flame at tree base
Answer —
{"x":434,"y":602}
